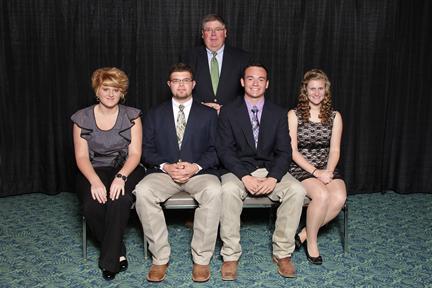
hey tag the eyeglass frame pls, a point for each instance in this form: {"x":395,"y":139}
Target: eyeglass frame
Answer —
{"x":215,"y":30}
{"x":181,"y":81}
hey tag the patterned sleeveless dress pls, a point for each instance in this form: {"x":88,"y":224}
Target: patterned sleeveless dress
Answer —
{"x":313,"y":142}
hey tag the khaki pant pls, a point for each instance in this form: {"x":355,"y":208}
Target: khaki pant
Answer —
{"x":158,"y":187}
{"x":289,"y":192}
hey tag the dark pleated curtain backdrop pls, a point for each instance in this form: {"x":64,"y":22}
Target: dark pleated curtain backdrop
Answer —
{"x":376,"y":53}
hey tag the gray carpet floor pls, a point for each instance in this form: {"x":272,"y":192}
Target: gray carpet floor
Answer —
{"x":390,"y":245}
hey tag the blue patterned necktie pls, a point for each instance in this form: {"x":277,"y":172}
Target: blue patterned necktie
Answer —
{"x":255,"y":124}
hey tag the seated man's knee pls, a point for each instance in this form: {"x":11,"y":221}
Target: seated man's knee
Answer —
{"x":213,"y":191}
{"x":230,"y":190}
{"x":294,"y":193}
{"x":142,"y":190}
{"x":298,"y":190}
{"x":215,"y":187}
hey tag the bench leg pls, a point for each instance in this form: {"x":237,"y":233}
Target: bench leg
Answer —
{"x":272,"y":218}
{"x":346,"y":228}
{"x":84,"y":238}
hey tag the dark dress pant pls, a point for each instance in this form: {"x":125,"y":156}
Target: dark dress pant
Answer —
{"x":107,"y":222}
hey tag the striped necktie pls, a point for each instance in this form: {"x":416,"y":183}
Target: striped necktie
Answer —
{"x":180,"y":125}
{"x":255,"y":124}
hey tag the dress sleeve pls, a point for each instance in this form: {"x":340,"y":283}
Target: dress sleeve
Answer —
{"x":130,"y":114}
{"x":82,"y":119}
{"x":133,"y":113}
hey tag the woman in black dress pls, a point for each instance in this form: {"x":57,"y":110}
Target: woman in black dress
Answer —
{"x":316,"y":132}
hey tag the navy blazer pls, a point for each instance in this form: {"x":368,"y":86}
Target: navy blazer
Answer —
{"x":236,"y":145}
{"x":229,"y":87}
{"x":198,"y":146}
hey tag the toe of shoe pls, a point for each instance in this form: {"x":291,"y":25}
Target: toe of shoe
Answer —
{"x":124,"y":265}
{"x":107,"y":275}
{"x":200,"y":273}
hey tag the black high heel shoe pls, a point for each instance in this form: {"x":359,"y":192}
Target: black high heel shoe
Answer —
{"x":314,"y":260}
{"x":124,"y":265}
{"x":108,"y":275}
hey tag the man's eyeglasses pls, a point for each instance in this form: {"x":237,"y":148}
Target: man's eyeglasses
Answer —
{"x":215,"y":30}
{"x":184,"y":81}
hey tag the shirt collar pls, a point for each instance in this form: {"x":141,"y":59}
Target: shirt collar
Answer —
{"x":220,"y":51}
{"x":259,"y":104}
{"x":185,"y":104}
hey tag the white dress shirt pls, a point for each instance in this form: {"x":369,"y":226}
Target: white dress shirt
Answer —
{"x":187,"y":107}
{"x":219,"y":57}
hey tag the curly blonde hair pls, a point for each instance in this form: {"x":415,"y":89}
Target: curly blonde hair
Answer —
{"x":303,"y":108}
{"x":110,"y":76}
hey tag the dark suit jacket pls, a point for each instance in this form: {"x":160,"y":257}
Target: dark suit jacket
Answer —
{"x":160,"y":139}
{"x":236,"y":145}
{"x":229,"y":87}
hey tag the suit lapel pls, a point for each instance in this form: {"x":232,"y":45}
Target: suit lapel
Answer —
{"x":245,"y":124}
{"x":190,"y":124}
{"x":264,"y":124}
{"x":170,"y":125}
{"x":203,"y":62}
{"x":226,"y":66}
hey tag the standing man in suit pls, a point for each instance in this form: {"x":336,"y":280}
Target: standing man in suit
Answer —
{"x":254,"y":146}
{"x":218,"y":67}
{"x":180,"y":154}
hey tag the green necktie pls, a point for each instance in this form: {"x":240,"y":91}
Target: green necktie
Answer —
{"x":214,"y":72}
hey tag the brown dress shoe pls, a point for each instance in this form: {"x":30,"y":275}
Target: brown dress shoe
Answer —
{"x":285,"y":267}
{"x":200,"y":273}
{"x":229,"y":270}
{"x":157,"y":273}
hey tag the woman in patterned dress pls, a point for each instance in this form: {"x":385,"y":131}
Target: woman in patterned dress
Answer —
{"x":107,"y":141}
{"x":316,"y":131}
